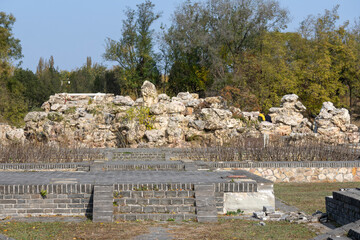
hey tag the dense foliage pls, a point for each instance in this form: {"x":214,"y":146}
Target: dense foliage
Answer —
{"x":239,"y":49}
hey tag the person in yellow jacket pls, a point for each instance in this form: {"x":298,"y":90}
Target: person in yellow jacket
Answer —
{"x":261,"y":117}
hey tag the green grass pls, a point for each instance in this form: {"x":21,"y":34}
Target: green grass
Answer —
{"x":308,"y":197}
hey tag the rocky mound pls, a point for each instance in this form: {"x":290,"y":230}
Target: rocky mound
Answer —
{"x":155,"y":120}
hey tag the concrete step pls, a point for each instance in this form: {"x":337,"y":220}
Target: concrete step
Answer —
{"x":205,"y":203}
{"x":103,"y":203}
{"x":339,"y":238}
{"x":354,"y":233}
{"x":154,"y":216}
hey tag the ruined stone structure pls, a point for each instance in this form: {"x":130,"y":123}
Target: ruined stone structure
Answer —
{"x":156,"y":120}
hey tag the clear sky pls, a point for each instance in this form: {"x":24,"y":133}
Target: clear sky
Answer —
{"x":71,"y":30}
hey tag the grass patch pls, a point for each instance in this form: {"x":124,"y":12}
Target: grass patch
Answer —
{"x":241,"y":229}
{"x":70,"y":230}
{"x":308,"y":197}
{"x":223,"y":229}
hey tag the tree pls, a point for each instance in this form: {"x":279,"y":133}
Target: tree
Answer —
{"x":12,"y":105}
{"x":221,"y":32}
{"x":134,"y":51}
{"x":49,"y":77}
{"x":82,"y":80}
{"x":10,"y":48}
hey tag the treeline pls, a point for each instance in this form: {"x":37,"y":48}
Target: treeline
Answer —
{"x":235,"y":48}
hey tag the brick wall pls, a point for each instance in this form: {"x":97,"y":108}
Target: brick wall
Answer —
{"x":59,"y":199}
{"x":344,"y":206}
{"x":161,"y":201}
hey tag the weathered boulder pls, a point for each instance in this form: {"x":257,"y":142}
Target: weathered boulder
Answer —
{"x":154,"y":135}
{"x":333,"y":125}
{"x":123,"y":101}
{"x":35,"y":116}
{"x":175,"y":107}
{"x":158,"y":108}
{"x":149,"y":93}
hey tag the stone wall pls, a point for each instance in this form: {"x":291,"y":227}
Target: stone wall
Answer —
{"x":156,"y":120}
{"x":322,"y":174}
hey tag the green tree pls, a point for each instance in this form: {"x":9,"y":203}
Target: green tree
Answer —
{"x":82,"y":80}
{"x":49,"y":77}
{"x":221,"y":33}
{"x":134,"y":51}
{"x":12,"y":105}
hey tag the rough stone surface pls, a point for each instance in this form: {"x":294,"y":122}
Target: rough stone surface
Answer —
{"x":105,"y":120}
{"x":333,"y":125}
{"x":308,"y":174}
{"x":149,"y":93}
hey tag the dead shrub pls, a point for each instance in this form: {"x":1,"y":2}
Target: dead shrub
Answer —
{"x":44,"y":153}
{"x":278,"y":149}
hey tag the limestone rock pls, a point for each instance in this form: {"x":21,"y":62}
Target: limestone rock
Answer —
{"x":16,"y":135}
{"x":149,"y":93}
{"x":175,"y":107}
{"x":35,"y":116}
{"x":158,"y":108}
{"x":163,"y":98}
{"x":101,"y":120}
{"x":154,"y":135}
{"x":334,"y":126}
{"x":123,"y":101}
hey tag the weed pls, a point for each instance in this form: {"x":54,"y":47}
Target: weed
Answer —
{"x":43,"y":193}
{"x":70,"y":110}
{"x":115,"y":204}
{"x":170,"y":220}
{"x":141,"y":188}
{"x":232,"y":213}
{"x":55,"y":117}
{"x":141,"y":115}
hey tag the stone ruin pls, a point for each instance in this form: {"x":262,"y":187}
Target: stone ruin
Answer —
{"x":157,"y":120}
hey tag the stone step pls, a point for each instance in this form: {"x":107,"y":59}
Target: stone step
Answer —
{"x":205,"y":203}
{"x":156,"y":201}
{"x":354,"y":233}
{"x":103,"y":203}
{"x":155,"y":209}
{"x":154,"y":194}
{"x":155,"y":216}
{"x":338,"y":238}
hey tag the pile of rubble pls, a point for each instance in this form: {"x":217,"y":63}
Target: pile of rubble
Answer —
{"x":269,"y":214}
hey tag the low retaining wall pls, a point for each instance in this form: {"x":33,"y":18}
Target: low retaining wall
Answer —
{"x":52,"y":199}
{"x":159,"y":201}
{"x":351,"y":174}
{"x":327,"y":171}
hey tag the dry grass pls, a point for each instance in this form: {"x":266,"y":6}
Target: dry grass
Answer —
{"x":65,"y":230}
{"x":308,"y":197}
{"x":241,"y":229}
{"x":224,"y":229}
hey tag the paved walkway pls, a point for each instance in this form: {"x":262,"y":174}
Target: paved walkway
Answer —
{"x":156,"y":233}
{"x":110,"y":177}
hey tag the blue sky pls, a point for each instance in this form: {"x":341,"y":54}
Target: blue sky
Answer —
{"x":71,"y":30}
